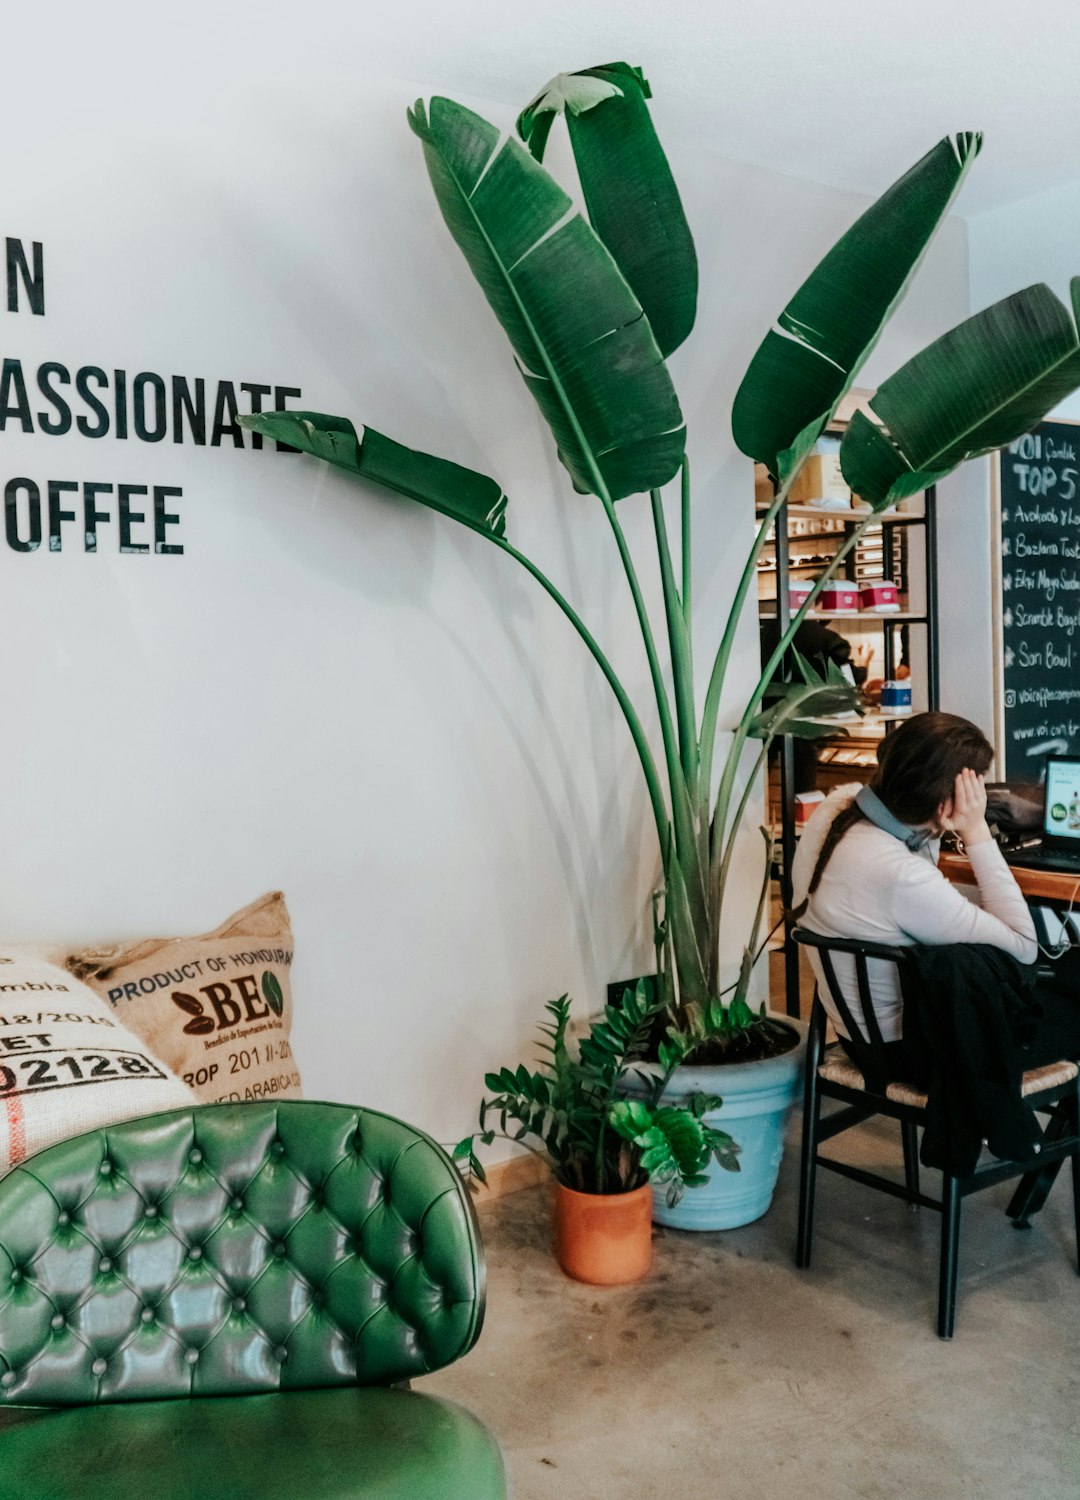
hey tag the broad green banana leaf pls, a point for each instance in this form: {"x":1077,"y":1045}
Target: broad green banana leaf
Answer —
{"x":974,"y":390}
{"x":810,"y":358}
{"x":631,"y":196}
{"x":798,"y":708}
{"x":471,"y":498}
{"x":585,"y":349}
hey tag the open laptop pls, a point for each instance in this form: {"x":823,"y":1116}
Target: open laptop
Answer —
{"x":1059,"y":848}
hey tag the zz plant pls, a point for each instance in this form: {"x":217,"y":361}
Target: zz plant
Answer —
{"x":593,"y":304}
{"x":572,"y":1113}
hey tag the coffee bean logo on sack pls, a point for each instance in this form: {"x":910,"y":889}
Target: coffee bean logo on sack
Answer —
{"x":227,"y":1010}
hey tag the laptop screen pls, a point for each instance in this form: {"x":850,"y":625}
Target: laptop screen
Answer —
{"x":1062,"y":820}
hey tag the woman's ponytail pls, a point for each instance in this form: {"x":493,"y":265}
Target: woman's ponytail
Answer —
{"x":840,"y":825}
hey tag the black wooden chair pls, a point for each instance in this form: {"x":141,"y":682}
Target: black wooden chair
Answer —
{"x":865,"y":1090}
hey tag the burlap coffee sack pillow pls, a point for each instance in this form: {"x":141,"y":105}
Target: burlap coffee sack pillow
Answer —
{"x":217,"y":1008}
{"x":66,"y":1063}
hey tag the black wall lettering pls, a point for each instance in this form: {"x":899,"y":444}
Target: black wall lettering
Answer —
{"x":33,"y":280}
{"x":256,"y":392}
{"x":91,"y":514}
{"x":129,"y":517}
{"x":56,"y":515}
{"x":13,"y":402}
{"x":162,"y":519}
{"x":120,"y":377}
{"x":62,"y":421}
{"x":196,"y":414}
{"x":100,"y":410}
{"x":226,"y":403}
{"x":138,"y":401}
{"x":11,"y":516}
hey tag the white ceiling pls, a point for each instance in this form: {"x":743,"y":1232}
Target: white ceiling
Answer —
{"x":848,"y":93}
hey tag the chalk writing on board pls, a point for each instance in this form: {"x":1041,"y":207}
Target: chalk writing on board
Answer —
{"x":1040,"y":579}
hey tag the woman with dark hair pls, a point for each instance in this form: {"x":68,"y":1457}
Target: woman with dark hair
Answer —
{"x":866,"y":866}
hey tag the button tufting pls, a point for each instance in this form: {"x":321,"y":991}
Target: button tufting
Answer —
{"x":147,"y":1315}
{"x":63,"y":1218}
{"x":279,"y":1249}
{"x":278,"y":1148}
{"x":16,"y":1276}
{"x":151,"y":1211}
{"x":281,"y":1354}
{"x":195,"y":1156}
{"x":192,"y":1356}
{"x":239,"y":1304}
{"x":8,"y":1379}
{"x":195,"y":1252}
{"x":99,"y":1367}
{"x":106,"y":1168}
{"x":236,"y":1204}
{"x":57,"y":1320}
{"x":104,"y":1265}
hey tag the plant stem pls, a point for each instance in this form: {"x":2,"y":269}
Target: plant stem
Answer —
{"x":682,"y":667}
{"x":719,"y":671}
{"x":736,"y":821}
{"x":685,"y":842}
{"x":598,"y":1167}
{"x":648,"y":765}
{"x":686,"y":536}
{"x":667,"y":729}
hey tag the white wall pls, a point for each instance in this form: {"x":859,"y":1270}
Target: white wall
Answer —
{"x":332,"y":691}
{"x":1035,"y":239}
{"x":965,"y":596}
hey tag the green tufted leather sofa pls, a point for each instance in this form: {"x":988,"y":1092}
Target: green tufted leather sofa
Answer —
{"x":222,"y":1298}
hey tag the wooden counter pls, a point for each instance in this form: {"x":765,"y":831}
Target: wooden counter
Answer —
{"x":1037,"y":885}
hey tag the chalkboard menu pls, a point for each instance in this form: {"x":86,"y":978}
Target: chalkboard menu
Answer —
{"x":1040,"y":599}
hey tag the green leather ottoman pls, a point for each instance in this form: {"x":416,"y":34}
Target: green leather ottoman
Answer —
{"x":222,"y":1297}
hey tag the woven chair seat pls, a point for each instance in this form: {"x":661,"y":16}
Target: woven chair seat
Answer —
{"x":842,"y":1071}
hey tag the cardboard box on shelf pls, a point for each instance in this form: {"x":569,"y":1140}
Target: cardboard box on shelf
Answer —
{"x":763,"y":488}
{"x":820,"y":482}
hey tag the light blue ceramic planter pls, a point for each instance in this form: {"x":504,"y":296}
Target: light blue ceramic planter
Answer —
{"x":757,"y":1097}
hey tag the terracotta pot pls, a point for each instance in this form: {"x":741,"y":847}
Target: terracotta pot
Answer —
{"x":603,"y":1238}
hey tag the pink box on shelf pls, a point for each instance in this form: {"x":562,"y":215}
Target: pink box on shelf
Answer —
{"x":798,"y":590}
{"x":879,"y":598}
{"x":838,"y":598}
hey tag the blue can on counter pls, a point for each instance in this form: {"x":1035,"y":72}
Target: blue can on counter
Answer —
{"x":896,"y":697}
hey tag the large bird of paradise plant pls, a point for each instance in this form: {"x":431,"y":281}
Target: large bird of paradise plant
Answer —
{"x":592,"y":306}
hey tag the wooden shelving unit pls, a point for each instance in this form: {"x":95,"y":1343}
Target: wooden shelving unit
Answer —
{"x":900,"y":546}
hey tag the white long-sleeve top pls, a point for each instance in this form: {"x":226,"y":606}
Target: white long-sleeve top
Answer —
{"x":874,"y":889}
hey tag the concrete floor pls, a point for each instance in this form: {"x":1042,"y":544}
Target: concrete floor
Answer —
{"x":730,"y":1374}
